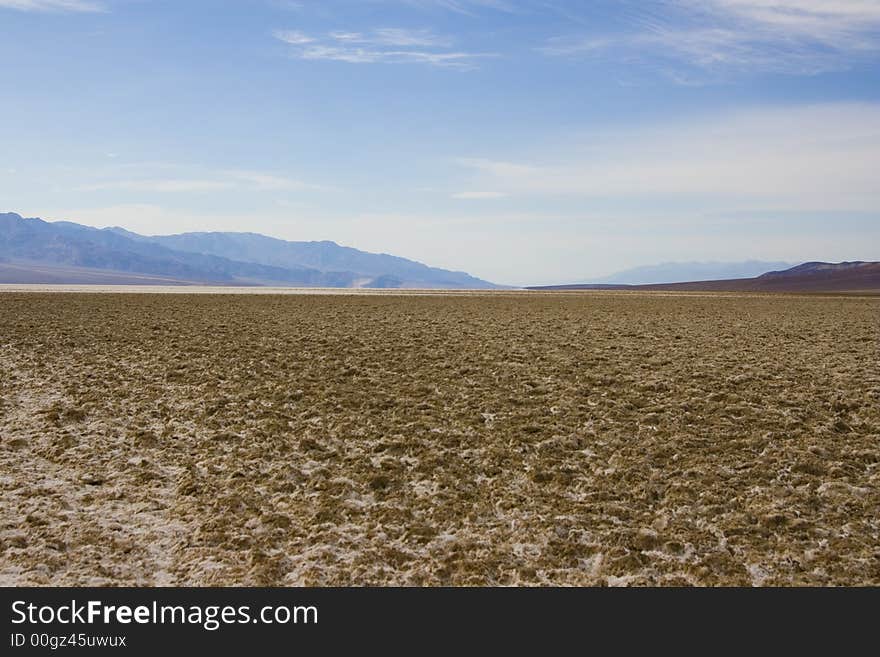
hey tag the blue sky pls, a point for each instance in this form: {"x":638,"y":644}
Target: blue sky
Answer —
{"x":525,"y":142}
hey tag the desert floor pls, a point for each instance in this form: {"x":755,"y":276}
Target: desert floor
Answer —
{"x":480,"y":439}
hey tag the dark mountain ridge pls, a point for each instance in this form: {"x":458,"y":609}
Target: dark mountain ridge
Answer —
{"x":856,"y":276}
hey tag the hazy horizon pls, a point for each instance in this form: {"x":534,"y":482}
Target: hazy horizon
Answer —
{"x":661,"y":272}
{"x":524,"y":143}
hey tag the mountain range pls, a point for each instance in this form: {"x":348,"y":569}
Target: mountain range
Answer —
{"x":62,"y":252}
{"x":676,"y":272}
{"x":856,"y":276}
{"x":37,"y":251}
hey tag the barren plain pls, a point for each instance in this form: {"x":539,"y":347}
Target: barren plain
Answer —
{"x":505,"y":438}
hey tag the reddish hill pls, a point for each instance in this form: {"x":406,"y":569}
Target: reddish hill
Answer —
{"x":808,"y":277}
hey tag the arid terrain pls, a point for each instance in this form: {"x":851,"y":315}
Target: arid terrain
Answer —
{"x":505,"y":438}
{"x":860,"y":278}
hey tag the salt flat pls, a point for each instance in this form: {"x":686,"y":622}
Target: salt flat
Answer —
{"x":331,"y":437}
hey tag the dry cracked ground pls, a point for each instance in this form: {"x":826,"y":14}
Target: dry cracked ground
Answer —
{"x":491,"y":439}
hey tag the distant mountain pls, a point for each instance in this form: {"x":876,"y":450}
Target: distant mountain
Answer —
{"x":390,"y":271}
{"x":675,"y":272}
{"x":42,"y":274}
{"x":823,"y":277}
{"x":33,"y":250}
{"x":856,"y":276}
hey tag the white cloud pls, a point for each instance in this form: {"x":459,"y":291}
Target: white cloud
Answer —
{"x":824,"y":20}
{"x":156,"y":185}
{"x":227,"y":180}
{"x":780,"y":36}
{"x":52,"y":5}
{"x":467,"y":7}
{"x":500,"y":168}
{"x":392,"y":36}
{"x":383,"y":45}
{"x":366,"y":56}
{"x":293,"y":37}
{"x":292,"y":5}
{"x":262,"y":181}
{"x":816,"y":158}
{"x":479,"y":196}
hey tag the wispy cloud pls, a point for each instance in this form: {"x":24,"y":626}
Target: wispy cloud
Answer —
{"x":52,"y":5}
{"x":813,"y":158}
{"x":779,"y":36}
{"x":499,"y":168}
{"x":262,"y":181}
{"x":478,"y":196}
{"x":159,"y":185}
{"x":824,"y":20}
{"x":293,"y":5}
{"x":293,"y":37}
{"x":379,"y":46}
{"x":467,"y":7}
{"x":227,"y":180}
{"x":392,"y":36}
